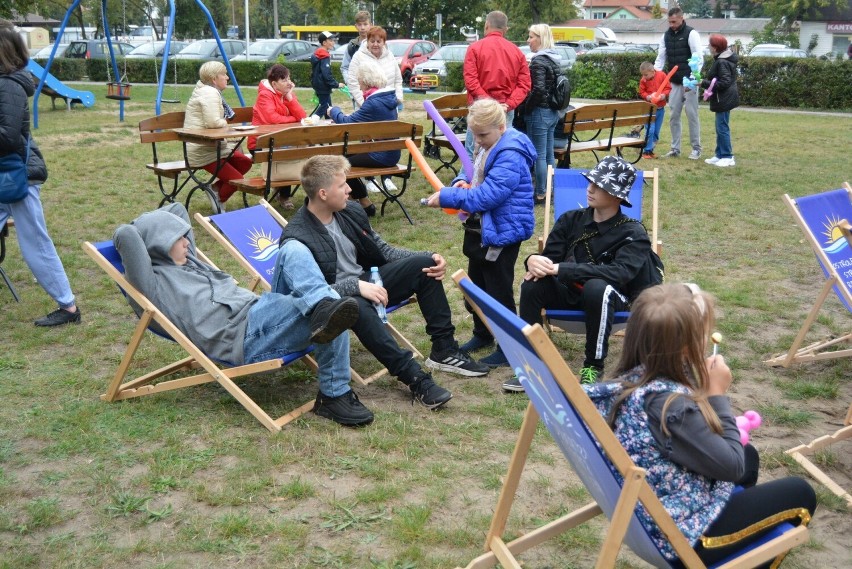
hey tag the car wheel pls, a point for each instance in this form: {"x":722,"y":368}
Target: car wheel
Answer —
{"x":406,"y":78}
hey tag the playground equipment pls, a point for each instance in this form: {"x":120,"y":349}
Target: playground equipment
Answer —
{"x":120,"y":89}
{"x":56,"y":89}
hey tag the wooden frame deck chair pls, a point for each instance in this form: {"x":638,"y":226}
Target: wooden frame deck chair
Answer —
{"x":251,"y":235}
{"x":151,"y":318}
{"x":566,"y":191}
{"x":825,"y":220}
{"x":617,"y":486}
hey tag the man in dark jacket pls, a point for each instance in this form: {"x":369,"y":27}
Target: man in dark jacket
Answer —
{"x":338,"y":233}
{"x":322,"y":80}
{"x":678,"y":44}
{"x":591,"y":262}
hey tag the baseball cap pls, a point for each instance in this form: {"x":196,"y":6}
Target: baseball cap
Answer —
{"x":327,"y":36}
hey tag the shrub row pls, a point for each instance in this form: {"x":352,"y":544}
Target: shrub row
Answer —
{"x":763,"y":82}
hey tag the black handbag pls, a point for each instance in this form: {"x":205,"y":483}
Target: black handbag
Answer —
{"x":14,"y":180}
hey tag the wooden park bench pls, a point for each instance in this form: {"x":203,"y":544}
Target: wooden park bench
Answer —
{"x":453,"y":109}
{"x":158,"y":131}
{"x":298,"y":142}
{"x":592,"y":128}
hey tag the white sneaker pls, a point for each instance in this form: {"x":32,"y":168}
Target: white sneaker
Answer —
{"x":372,"y":186}
{"x":726,"y":162}
{"x":711,"y":160}
{"x":671,"y":154}
{"x":694,"y":155}
{"x":216,"y":205}
{"x":389,"y":185}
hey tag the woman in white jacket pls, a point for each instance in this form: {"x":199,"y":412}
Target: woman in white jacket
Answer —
{"x":374,"y":48}
{"x":207,"y":109}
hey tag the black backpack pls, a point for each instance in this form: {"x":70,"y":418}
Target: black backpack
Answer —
{"x":560,"y":97}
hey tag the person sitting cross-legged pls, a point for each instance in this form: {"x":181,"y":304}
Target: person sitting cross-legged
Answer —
{"x":596,"y":259}
{"x":338,"y":233}
{"x":233,"y":325}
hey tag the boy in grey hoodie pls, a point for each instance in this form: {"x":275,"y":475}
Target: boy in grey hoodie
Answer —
{"x":233,"y":325}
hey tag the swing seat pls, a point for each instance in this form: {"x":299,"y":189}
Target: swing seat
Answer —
{"x":118,"y":91}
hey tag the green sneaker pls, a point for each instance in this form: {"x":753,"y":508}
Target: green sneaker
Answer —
{"x":589,"y":375}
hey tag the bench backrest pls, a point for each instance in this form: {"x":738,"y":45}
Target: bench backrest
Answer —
{"x":609,"y":116}
{"x":452,"y":109}
{"x":161,"y":128}
{"x":297,"y":143}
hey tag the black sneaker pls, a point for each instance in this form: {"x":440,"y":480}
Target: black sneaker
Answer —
{"x":513,"y":385}
{"x":456,"y":361}
{"x":476,"y":343}
{"x":59,"y":317}
{"x":428,"y":393}
{"x":495,"y":359}
{"x":331,"y":317}
{"x":345,"y":409}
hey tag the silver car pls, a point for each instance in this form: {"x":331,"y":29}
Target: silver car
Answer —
{"x":155,"y":49}
{"x":269,"y":50}
{"x":436,"y":65}
{"x":207,"y":50}
{"x":566,"y":53}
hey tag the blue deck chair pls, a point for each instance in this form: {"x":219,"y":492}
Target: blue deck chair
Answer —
{"x":825,"y":220}
{"x":566,"y":190}
{"x":250,"y":235}
{"x":151,"y":318}
{"x":616,"y":484}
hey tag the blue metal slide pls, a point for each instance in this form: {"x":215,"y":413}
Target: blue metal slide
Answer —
{"x":55,"y":88}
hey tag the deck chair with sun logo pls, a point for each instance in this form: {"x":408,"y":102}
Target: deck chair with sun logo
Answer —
{"x":825,"y":220}
{"x":250,"y":235}
{"x":617,"y":486}
{"x":152,"y":319}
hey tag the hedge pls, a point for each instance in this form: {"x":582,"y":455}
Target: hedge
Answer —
{"x":763,"y":81}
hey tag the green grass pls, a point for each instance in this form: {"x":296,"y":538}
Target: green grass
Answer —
{"x":188,"y":478}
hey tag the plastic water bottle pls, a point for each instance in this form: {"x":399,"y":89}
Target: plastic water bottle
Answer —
{"x":376,"y":278}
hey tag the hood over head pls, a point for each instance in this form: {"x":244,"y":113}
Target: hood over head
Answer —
{"x":549,"y":52}
{"x":159,"y":231}
{"x":25,"y":79}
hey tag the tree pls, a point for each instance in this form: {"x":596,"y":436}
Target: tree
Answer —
{"x":656,"y":11}
{"x":787,"y":12}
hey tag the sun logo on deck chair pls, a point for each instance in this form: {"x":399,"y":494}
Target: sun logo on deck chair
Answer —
{"x":834,"y":236}
{"x":263,"y":243}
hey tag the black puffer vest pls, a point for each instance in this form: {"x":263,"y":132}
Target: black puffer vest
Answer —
{"x":305,"y":228}
{"x":678,"y":52}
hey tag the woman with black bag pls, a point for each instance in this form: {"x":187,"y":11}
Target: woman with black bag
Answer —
{"x":539,"y":117}
{"x":20,"y":195}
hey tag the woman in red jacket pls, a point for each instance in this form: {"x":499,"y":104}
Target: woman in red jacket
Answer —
{"x":276,"y":104}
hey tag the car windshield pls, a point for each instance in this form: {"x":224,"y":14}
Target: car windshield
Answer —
{"x":397,"y":48}
{"x":148,"y":48}
{"x":263,"y":47}
{"x":197,"y":48}
{"x":451,"y":53}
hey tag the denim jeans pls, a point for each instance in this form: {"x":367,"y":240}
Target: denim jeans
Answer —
{"x":723,"y":135}
{"x":36,"y":246}
{"x":324,"y":105}
{"x":540,"y":123}
{"x":468,"y":141}
{"x":279,"y":322}
{"x":680,"y":99}
{"x":654,"y":135}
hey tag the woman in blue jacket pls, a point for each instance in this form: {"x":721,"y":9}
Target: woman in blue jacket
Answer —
{"x":500,"y":203}
{"x":380,"y":104}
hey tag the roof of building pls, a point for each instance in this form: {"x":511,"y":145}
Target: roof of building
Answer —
{"x":616,"y":3}
{"x":703,"y":25}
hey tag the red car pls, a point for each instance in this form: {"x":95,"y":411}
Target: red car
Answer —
{"x":409,"y":53}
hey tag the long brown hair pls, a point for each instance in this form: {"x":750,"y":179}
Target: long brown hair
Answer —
{"x":667,"y":334}
{"x":14,"y":54}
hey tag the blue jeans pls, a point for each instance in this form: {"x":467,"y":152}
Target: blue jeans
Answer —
{"x":37,"y":247}
{"x":540,"y":123}
{"x":324,"y":105}
{"x":279,"y":322}
{"x":654,"y":135}
{"x":723,"y":135}
{"x":468,"y":141}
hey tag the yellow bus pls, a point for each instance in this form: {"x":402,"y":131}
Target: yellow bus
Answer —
{"x":311,"y":33}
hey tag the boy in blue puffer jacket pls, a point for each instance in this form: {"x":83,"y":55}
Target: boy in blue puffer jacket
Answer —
{"x":500,"y":201}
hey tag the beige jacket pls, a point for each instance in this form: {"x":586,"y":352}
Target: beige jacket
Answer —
{"x":205,"y":110}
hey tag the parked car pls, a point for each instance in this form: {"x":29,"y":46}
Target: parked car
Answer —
{"x":269,"y":50}
{"x":156,"y":49}
{"x":96,"y":49}
{"x":409,"y":53}
{"x":580,"y":46}
{"x":566,"y":53}
{"x":622,"y":48}
{"x":44,"y":52}
{"x":338,"y":52}
{"x":437,"y":64}
{"x":207,"y":50}
{"x":142,"y":33}
{"x":775,"y":50}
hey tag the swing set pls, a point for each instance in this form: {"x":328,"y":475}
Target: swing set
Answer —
{"x":119,"y":90}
